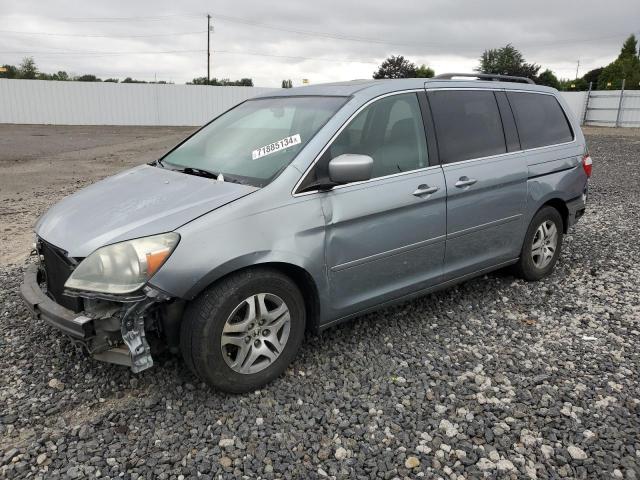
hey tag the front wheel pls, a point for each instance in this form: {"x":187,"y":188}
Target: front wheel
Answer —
{"x":542,"y":245}
{"x":243,"y":332}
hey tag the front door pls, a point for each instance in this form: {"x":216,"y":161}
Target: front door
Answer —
{"x":384,"y":237}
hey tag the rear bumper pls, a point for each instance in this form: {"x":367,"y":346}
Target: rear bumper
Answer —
{"x":42,"y":307}
{"x":576,"y":209}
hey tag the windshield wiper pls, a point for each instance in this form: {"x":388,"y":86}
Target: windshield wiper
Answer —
{"x":201,"y":172}
{"x":209,"y":174}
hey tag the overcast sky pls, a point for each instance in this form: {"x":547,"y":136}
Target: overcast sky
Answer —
{"x":339,"y":39}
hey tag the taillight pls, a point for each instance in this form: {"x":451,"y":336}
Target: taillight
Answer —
{"x":587,"y":164}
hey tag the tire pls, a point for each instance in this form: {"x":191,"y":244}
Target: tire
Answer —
{"x":530,"y":266}
{"x":244,"y":359}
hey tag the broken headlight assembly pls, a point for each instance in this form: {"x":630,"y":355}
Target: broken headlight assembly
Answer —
{"x":123,"y":267}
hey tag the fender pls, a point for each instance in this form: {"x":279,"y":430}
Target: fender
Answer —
{"x":316,"y":272}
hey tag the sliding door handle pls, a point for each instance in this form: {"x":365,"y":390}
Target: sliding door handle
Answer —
{"x":425,"y":190}
{"x":465,"y":182}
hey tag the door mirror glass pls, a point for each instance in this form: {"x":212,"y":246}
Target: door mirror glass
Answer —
{"x":347,"y":168}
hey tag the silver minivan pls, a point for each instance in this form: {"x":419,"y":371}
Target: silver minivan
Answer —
{"x":300,"y":209}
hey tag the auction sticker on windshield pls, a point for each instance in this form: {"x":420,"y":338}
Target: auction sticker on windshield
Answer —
{"x":276,"y":146}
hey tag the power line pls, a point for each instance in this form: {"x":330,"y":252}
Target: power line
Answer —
{"x":92,"y":35}
{"x":313,"y":33}
{"x":353,"y":38}
{"x":101,"y":53}
{"x":127,"y":19}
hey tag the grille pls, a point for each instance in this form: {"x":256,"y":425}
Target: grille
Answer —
{"x":58,"y":267}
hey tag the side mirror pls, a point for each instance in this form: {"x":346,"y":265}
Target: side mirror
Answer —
{"x":347,"y":168}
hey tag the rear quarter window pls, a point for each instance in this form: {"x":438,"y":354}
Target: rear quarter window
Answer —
{"x":540,"y":119}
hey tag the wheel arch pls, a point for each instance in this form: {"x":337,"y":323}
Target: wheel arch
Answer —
{"x":300,"y":275}
{"x":561,"y":206}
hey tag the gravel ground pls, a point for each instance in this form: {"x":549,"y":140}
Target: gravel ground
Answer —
{"x":495,"y":377}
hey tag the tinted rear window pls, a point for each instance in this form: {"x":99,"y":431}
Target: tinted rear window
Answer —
{"x":467,"y":124}
{"x":540,"y":119}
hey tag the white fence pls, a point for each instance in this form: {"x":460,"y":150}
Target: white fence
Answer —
{"x":95,"y":103}
{"x":613,"y":108}
{"x":606,"y":108}
{"x":576,"y":101}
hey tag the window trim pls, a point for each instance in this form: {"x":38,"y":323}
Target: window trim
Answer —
{"x":564,"y":112}
{"x":294,"y":191}
{"x":521,"y":150}
{"x":500,"y":114}
{"x":426,"y":89}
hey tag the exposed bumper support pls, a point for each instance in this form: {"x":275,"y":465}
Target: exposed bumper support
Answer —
{"x":134,"y":336}
{"x":85,"y":330}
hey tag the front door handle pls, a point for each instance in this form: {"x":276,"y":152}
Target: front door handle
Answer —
{"x":425,"y":190}
{"x":465,"y":182}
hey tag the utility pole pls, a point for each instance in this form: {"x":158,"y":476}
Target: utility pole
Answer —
{"x":577,"y":68}
{"x":208,"y":48}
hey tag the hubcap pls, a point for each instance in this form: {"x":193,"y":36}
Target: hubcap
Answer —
{"x":545,"y":242}
{"x":255,"y":333}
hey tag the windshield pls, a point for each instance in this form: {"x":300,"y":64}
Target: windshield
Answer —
{"x":253,"y":142}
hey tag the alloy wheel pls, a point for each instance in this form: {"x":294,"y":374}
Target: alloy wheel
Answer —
{"x":545,"y":243}
{"x":256,"y":333}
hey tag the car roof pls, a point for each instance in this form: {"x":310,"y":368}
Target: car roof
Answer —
{"x":380,"y":87}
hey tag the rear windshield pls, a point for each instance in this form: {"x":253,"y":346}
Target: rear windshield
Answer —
{"x":254,"y":141}
{"x":540,"y":119}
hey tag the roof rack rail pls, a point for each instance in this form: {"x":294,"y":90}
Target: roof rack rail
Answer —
{"x":485,"y":76}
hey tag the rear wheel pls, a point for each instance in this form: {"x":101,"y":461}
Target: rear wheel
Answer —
{"x":244,"y":331}
{"x":542,"y":245}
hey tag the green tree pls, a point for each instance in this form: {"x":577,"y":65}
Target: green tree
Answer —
{"x":592,"y":76}
{"x":575,"y":85}
{"x":395,"y":67}
{"x":28,"y":69}
{"x":287,"y":83}
{"x":131,"y":80}
{"x":549,"y":79}
{"x":223,"y":82}
{"x":87,"y":78}
{"x":629,"y":47}
{"x":112,"y":80}
{"x":61,"y":75}
{"x":507,"y":61}
{"x":424,"y":72}
{"x":626,"y":66}
{"x":8,"y":71}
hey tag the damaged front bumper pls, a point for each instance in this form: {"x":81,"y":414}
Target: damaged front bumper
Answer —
{"x":113,"y":333}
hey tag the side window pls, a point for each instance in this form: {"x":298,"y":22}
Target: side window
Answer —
{"x":540,"y":119}
{"x":390,"y":131}
{"x":467,"y":124}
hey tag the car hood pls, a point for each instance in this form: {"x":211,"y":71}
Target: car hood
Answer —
{"x":135,"y":203}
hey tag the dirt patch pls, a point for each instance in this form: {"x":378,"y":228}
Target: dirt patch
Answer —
{"x":40,"y":164}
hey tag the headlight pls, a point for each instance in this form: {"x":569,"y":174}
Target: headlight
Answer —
{"x":123,"y":267}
